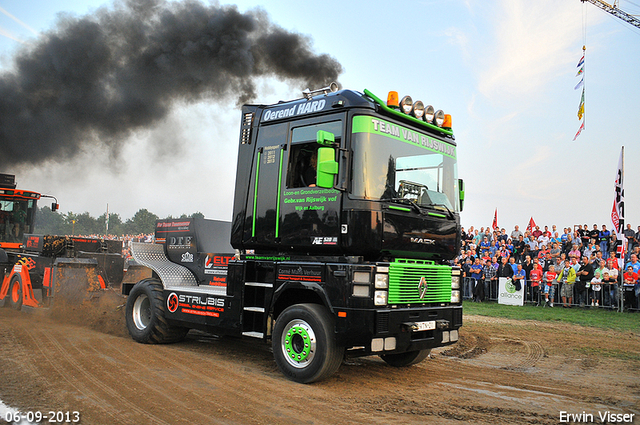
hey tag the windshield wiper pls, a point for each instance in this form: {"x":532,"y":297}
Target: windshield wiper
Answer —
{"x":406,"y":201}
{"x":451,"y":216}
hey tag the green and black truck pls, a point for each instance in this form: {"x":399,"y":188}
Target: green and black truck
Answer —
{"x":345,"y":222}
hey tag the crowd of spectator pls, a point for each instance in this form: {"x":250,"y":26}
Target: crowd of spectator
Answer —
{"x":576,"y":267}
{"x":125,"y":239}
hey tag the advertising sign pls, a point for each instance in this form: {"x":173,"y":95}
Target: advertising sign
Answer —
{"x":507,"y":293}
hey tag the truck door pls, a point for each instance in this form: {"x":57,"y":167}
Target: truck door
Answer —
{"x":309,"y":215}
{"x":262,"y":213}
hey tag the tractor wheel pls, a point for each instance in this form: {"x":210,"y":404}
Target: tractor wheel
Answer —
{"x":304,"y":344}
{"x":405,"y":359}
{"x":145,"y":315}
{"x":15,"y":292}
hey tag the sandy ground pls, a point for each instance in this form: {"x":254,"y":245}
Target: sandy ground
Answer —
{"x":501,"y":372}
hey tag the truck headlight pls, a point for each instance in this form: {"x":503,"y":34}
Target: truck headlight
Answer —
{"x":380,"y":298}
{"x":455,"y":296}
{"x":455,"y":282}
{"x":360,"y":291}
{"x":382,"y":281}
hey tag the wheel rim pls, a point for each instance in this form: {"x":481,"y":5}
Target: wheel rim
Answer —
{"x":298,"y":343}
{"x":142,"y":312}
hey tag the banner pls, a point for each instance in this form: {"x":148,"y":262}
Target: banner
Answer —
{"x":507,"y":293}
{"x":617,"y":214}
{"x":494,"y":225}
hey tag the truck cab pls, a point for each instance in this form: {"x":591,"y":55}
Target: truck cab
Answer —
{"x":17,"y":212}
{"x":345,"y":219}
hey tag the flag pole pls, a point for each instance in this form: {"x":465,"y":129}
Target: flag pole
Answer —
{"x":623,"y":254}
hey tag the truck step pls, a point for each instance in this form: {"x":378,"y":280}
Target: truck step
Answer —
{"x":255,"y":309}
{"x":253,"y":334}
{"x":259,"y":284}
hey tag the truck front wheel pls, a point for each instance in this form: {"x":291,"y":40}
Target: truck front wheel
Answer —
{"x":405,"y":359}
{"x":145,"y":315}
{"x":304,"y":344}
{"x":15,"y":292}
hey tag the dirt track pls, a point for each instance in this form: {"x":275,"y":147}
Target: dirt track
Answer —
{"x":501,"y":372}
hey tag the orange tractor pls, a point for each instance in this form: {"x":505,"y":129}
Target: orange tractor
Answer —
{"x":34,"y":269}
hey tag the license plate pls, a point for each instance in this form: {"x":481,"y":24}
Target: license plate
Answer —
{"x":426,"y":326}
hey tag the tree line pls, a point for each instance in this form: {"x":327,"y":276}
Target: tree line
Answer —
{"x":53,"y":223}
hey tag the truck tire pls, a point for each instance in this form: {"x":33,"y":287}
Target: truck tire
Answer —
{"x":15,"y":292}
{"x":405,"y":359}
{"x":145,"y":318}
{"x":304,"y":344}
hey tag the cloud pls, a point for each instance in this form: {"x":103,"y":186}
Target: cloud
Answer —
{"x":531,"y":43}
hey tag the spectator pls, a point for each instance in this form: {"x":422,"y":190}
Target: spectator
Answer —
{"x":630,"y":279}
{"x":610,"y":281}
{"x":631,"y":237}
{"x":519,"y":277}
{"x":575,"y":252}
{"x":604,"y":238}
{"x":466,"y":274}
{"x":537,"y":233}
{"x":584,"y":235}
{"x":490,"y":278}
{"x":518,"y":249}
{"x":503,"y":236}
{"x":504,"y":269}
{"x":596,"y":289}
{"x":517,"y":233}
{"x":476,"y":277}
{"x":485,"y":244}
{"x":634,"y":264}
{"x":568,"y":277}
{"x":549,"y":289}
{"x":585,"y":274}
{"x":512,"y":263}
{"x":535,"y":277}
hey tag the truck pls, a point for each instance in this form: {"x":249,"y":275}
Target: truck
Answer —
{"x":346,"y":217}
{"x":35,"y":269}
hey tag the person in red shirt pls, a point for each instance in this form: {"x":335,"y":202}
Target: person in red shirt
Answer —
{"x":629,"y":280}
{"x":549,"y":290}
{"x":630,"y":277}
{"x":535,"y":276}
{"x":537,"y":233}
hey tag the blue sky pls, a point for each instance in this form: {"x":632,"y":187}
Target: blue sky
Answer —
{"x":504,"y":69}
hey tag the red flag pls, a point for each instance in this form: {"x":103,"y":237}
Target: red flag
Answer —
{"x":531,"y":226}
{"x":494,"y":225}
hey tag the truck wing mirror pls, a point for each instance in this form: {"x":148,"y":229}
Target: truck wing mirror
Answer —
{"x":327,"y":167}
{"x":54,"y":207}
{"x":325,"y":138}
{"x":461,"y":193}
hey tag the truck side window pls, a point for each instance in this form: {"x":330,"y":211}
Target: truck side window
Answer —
{"x":303,"y":155}
{"x":303,"y":165}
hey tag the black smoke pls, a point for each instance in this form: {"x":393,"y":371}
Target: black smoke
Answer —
{"x":98,"y":78}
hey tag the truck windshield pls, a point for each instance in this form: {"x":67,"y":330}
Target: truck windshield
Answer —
{"x":397,"y":163}
{"x":16,"y":217}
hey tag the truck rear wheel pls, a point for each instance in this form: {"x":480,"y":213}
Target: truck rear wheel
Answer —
{"x":405,"y":359}
{"x":145,"y":318}
{"x":15,"y":292}
{"x":304,"y":344}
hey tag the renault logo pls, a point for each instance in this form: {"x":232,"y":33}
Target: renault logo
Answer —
{"x":422,"y":287}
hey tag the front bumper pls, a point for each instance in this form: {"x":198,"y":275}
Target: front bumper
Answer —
{"x":397,"y":330}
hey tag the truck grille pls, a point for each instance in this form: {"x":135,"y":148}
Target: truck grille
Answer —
{"x":405,"y":282}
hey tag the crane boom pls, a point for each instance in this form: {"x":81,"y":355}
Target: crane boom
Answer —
{"x":615,"y":12}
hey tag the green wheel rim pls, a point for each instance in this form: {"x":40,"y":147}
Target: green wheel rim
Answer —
{"x":298,"y":343}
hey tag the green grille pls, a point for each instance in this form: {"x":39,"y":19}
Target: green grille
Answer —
{"x":404,"y":282}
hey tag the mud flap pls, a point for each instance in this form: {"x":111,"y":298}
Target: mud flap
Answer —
{"x":75,"y":280}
